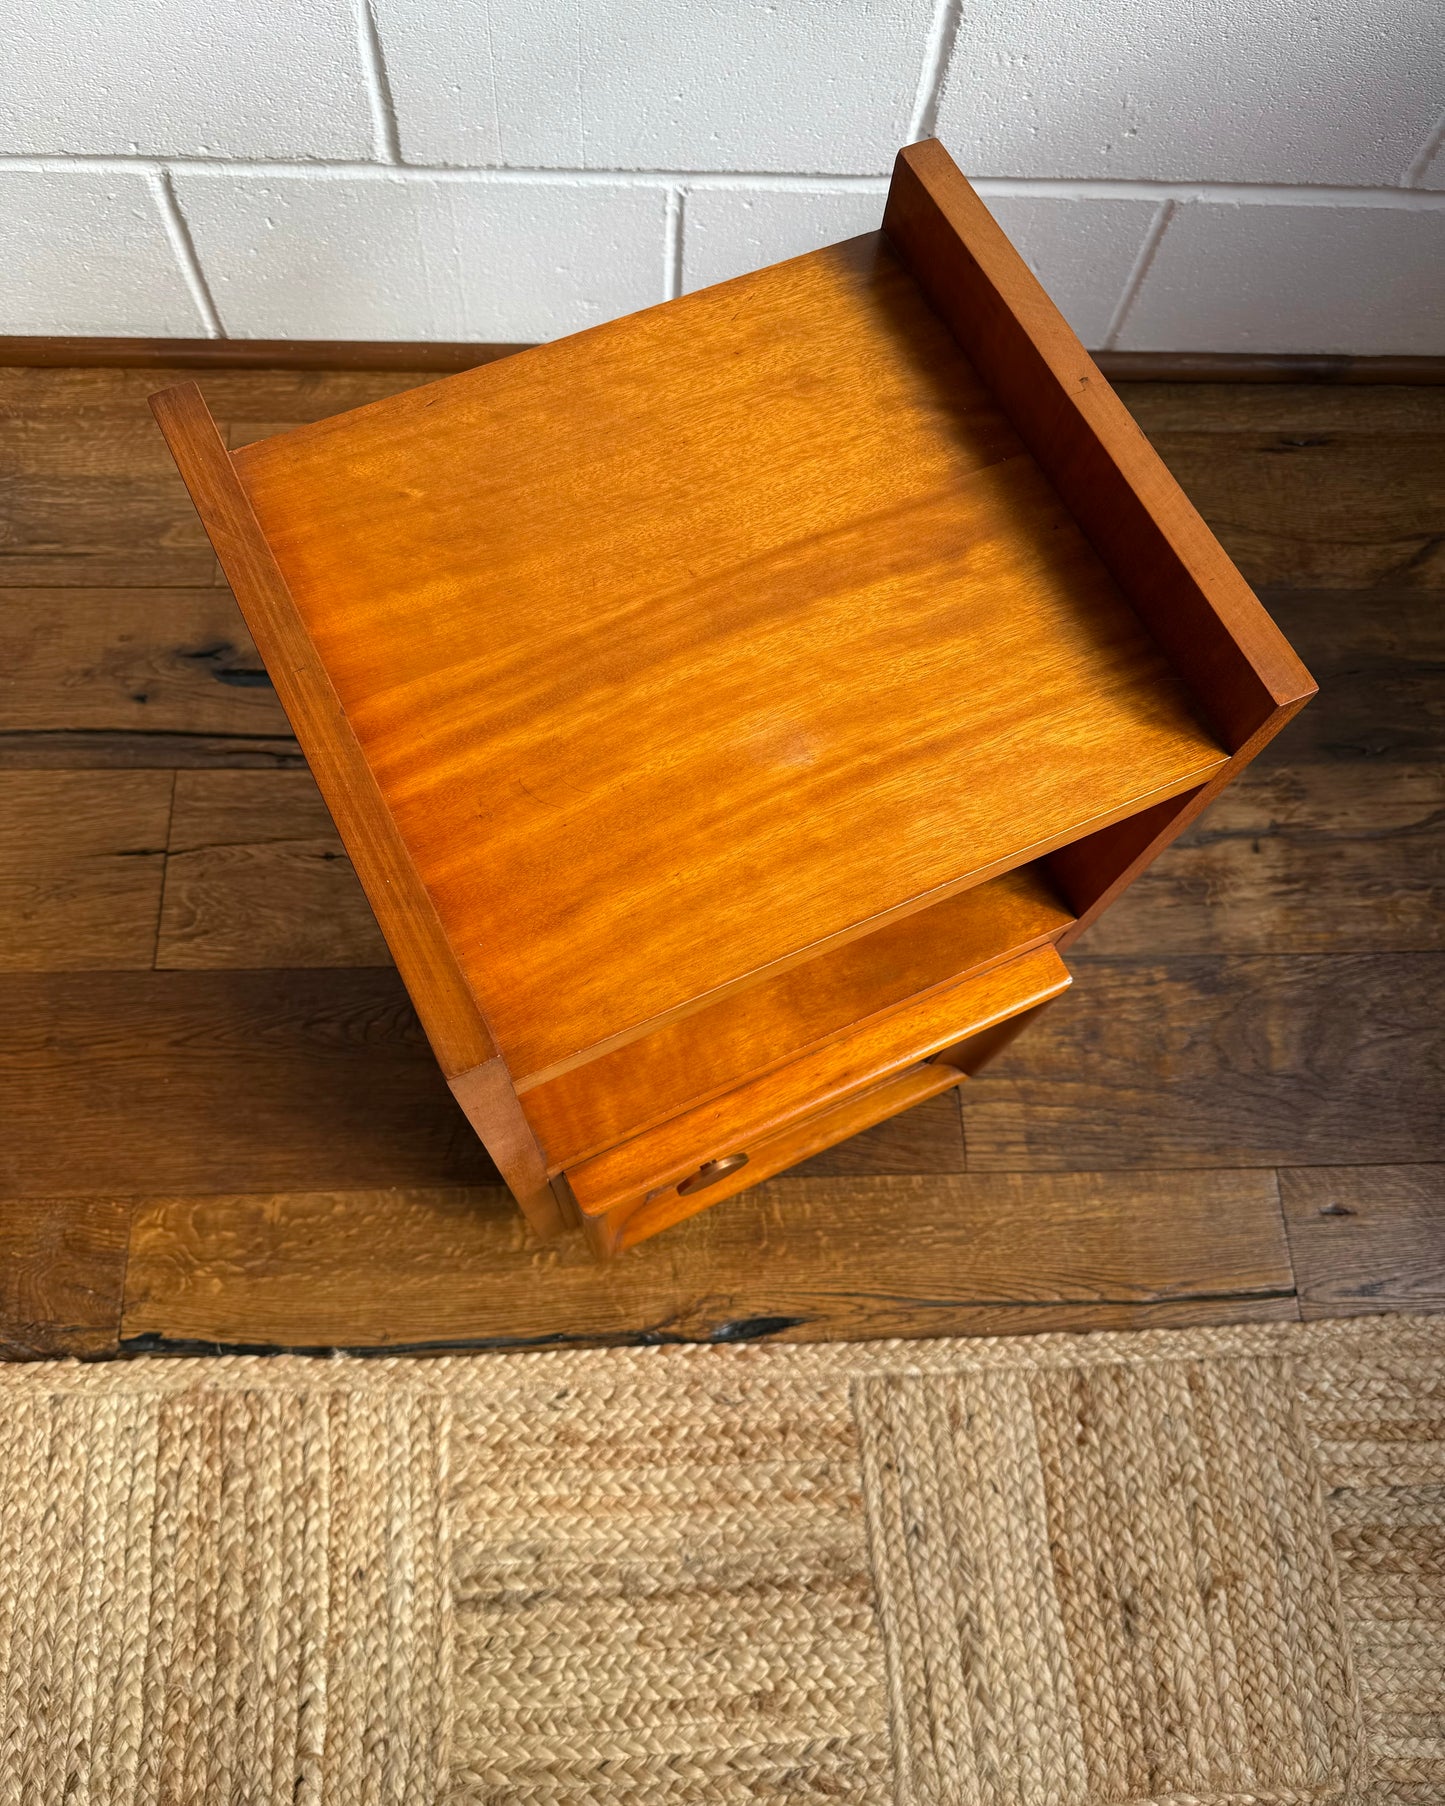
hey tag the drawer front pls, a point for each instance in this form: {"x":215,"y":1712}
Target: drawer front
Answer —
{"x":636,"y":1218}
{"x":763,"y":1109}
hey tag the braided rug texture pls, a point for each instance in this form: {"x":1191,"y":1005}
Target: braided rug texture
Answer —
{"x":1201,"y":1568}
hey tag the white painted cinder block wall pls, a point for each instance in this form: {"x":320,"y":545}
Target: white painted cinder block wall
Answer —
{"x":1185,"y":175}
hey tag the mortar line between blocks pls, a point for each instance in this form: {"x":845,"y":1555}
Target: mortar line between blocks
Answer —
{"x":742,"y":181}
{"x":937,"y":55}
{"x":672,"y":243}
{"x":178,"y":232}
{"x":1134,"y":282}
{"x":385,"y":134}
{"x":1416,"y":172}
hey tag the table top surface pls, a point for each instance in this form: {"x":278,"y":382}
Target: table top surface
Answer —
{"x":699,"y":640}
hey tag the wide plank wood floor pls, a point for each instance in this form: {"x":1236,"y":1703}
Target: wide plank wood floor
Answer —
{"x":220,"y":1125}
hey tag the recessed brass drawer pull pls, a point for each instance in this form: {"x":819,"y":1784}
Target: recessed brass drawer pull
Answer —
{"x":710,"y":1172}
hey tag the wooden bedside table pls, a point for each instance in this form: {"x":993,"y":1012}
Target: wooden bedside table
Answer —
{"x":734,"y":711}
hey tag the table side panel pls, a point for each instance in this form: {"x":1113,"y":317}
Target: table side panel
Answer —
{"x":449,"y":1012}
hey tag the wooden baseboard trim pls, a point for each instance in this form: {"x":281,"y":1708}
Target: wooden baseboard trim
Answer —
{"x":1264,"y":367}
{"x":249,"y":354}
{"x":437,"y":358}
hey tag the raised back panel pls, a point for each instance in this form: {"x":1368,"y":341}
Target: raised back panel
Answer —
{"x":1199,"y":609}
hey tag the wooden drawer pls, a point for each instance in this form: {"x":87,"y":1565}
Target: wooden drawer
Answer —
{"x":765,"y":1108}
{"x":636,"y":1218}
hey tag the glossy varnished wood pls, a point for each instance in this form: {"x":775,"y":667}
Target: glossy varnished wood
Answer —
{"x":1244,"y":677}
{"x":454,"y":1023}
{"x":926,"y":1137}
{"x":863,"y":597}
{"x":1303,"y":485}
{"x":631,"y":1222}
{"x":1091,"y":862}
{"x":883,"y":1045}
{"x":1242,"y":671}
{"x":638,"y":675}
{"x":751,"y":1033}
{"x":979,"y":691}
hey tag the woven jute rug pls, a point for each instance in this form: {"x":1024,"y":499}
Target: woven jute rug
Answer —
{"x":1199,"y":1566}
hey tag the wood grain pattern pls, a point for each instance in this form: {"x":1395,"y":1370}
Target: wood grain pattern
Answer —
{"x":250,"y":431}
{"x":346,"y":355}
{"x":765,"y":1106}
{"x":256,"y":875}
{"x":62,"y":1276}
{"x":1311,"y":486}
{"x":486,"y":1095}
{"x":1238,"y":665}
{"x":1297,"y":859}
{"x":927,"y":1138}
{"x":1347,"y":856}
{"x":552,"y":692}
{"x":134,"y":677}
{"x":1303,"y":485}
{"x":1368,"y":1238}
{"x":1298,"y":369}
{"x":454,"y":1024}
{"x":756,"y":1031}
{"x":1381,"y":656}
{"x":1334,"y":840}
{"x":1230,"y":1061}
{"x":82,"y":855}
{"x":1245,"y":679}
{"x":171,"y":678}
{"x":767,"y":501}
{"x":1094,"y":872}
{"x":981,"y":1049}
{"x":134,"y":1082}
{"x":799,"y":1259}
{"x":103,"y":506}
{"x":112,"y":354}
{"x":256,"y":394}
